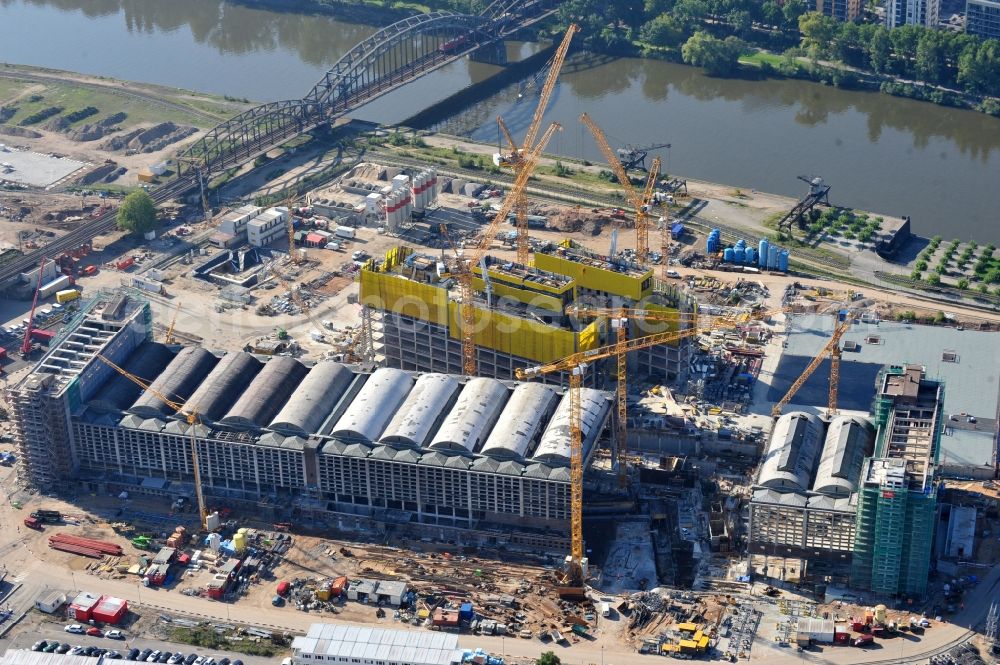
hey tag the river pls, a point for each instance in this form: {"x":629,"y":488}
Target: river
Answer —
{"x":894,"y":156}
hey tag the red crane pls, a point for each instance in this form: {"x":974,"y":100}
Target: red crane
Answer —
{"x":26,"y":344}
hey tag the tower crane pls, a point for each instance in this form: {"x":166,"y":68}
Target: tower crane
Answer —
{"x":641,"y":202}
{"x":465,"y":266}
{"x":833,"y":348}
{"x":575,"y":365}
{"x":169,"y":338}
{"x":191,"y":417}
{"x":290,"y":223}
{"x":619,"y":318}
{"x":516,"y":158}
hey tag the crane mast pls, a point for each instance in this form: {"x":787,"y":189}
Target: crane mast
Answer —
{"x":191,"y":417}
{"x":516,"y":159}
{"x":465,"y":266}
{"x":640,"y":202}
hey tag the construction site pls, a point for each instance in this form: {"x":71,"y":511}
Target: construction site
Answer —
{"x":416,"y":398}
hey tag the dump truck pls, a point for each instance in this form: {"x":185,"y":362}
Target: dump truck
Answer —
{"x":32,"y":523}
{"x":47,"y":516}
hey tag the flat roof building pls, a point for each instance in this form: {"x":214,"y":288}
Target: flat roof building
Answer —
{"x":329,"y":644}
{"x":327,"y":440}
{"x":982,"y":18}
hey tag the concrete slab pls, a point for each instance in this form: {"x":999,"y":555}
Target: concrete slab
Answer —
{"x":630,"y":560}
{"x":35,"y":169}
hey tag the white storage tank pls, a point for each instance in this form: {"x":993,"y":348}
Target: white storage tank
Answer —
{"x":400,"y":181}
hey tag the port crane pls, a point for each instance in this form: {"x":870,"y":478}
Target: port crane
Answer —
{"x":833,"y":348}
{"x":575,"y":365}
{"x":641,"y":202}
{"x":191,"y":417}
{"x":466,"y":265}
{"x":517,"y":157}
{"x":634,"y":156}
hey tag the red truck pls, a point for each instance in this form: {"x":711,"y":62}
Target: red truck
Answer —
{"x":33,"y":523}
{"x":283,"y":588}
{"x":864,"y":640}
{"x":841,"y":638}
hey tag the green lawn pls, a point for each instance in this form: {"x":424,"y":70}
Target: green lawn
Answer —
{"x":760,"y":57}
{"x":11,"y":88}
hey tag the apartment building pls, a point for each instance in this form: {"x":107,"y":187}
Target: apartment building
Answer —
{"x":982,"y":18}
{"x":263,"y":229}
{"x":912,"y":12}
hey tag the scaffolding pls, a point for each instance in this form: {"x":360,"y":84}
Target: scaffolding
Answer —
{"x":897,"y":501}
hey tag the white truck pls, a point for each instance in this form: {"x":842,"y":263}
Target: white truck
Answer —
{"x":605,"y":610}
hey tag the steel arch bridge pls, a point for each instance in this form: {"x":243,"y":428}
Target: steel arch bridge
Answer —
{"x":388,"y":59}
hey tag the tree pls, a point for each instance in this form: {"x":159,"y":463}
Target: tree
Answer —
{"x":930,"y":56}
{"x":664,"y":30}
{"x":718,"y":56}
{"x":818,"y":32}
{"x":963,"y":284}
{"x":548,"y":658}
{"x":137,"y":213}
{"x":770,"y":14}
{"x":792,"y":10}
{"x":880,"y":50}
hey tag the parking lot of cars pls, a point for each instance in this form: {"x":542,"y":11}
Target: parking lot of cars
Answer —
{"x":134,"y":654}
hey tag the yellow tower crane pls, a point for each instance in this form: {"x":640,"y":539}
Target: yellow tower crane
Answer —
{"x":169,"y":338}
{"x":575,"y":365}
{"x":516,"y":158}
{"x":640,"y":203}
{"x":619,"y":318}
{"x":833,"y":348}
{"x":191,"y":418}
{"x":466,"y":265}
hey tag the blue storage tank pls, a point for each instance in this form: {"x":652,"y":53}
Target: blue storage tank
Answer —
{"x":739,"y":254}
{"x":762,"y":248}
{"x":772,"y":257}
{"x":751,"y":255}
{"x":728,"y":254}
{"x":783,"y":261}
{"x":741,"y":243}
{"x":712,"y":244}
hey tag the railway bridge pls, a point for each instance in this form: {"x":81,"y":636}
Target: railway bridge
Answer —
{"x":385,"y":61}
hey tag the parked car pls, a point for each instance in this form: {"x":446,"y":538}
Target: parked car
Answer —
{"x":143,"y":655}
{"x":75,"y":628}
{"x":94,"y":631}
{"x":132,"y":654}
{"x":113,"y":655}
{"x":176,"y":658}
{"x":191,"y":657}
{"x":50,"y":647}
{"x":115,"y":635}
{"x":153,"y":655}
{"x":63,"y":648}
{"x":164,"y":657}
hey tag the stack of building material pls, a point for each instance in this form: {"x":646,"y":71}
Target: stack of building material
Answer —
{"x":178,"y":539}
{"x":83,"y":546}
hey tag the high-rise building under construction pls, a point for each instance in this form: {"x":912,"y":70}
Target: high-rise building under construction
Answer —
{"x":521,"y":312}
{"x":897,"y":498}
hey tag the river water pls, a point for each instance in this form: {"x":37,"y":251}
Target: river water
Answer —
{"x":895,"y":156}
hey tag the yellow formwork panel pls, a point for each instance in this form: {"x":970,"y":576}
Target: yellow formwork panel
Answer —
{"x":515,"y":336}
{"x":403,"y":296}
{"x":590,"y":337}
{"x":595,"y":278}
{"x":529,"y":285}
{"x":502,"y":290}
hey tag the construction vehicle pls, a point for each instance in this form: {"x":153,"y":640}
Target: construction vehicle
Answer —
{"x":192,"y":420}
{"x":48,"y":516}
{"x":142,"y":542}
{"x":641,"y":203}
{"x":634,"y":156}
{"x":575,"y":365}
{"x":465,"y":265}
{"x":26,"y":345}
{"x":516,"y":159}
{"x":169,"y":338}
{"x":845,"y":319}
